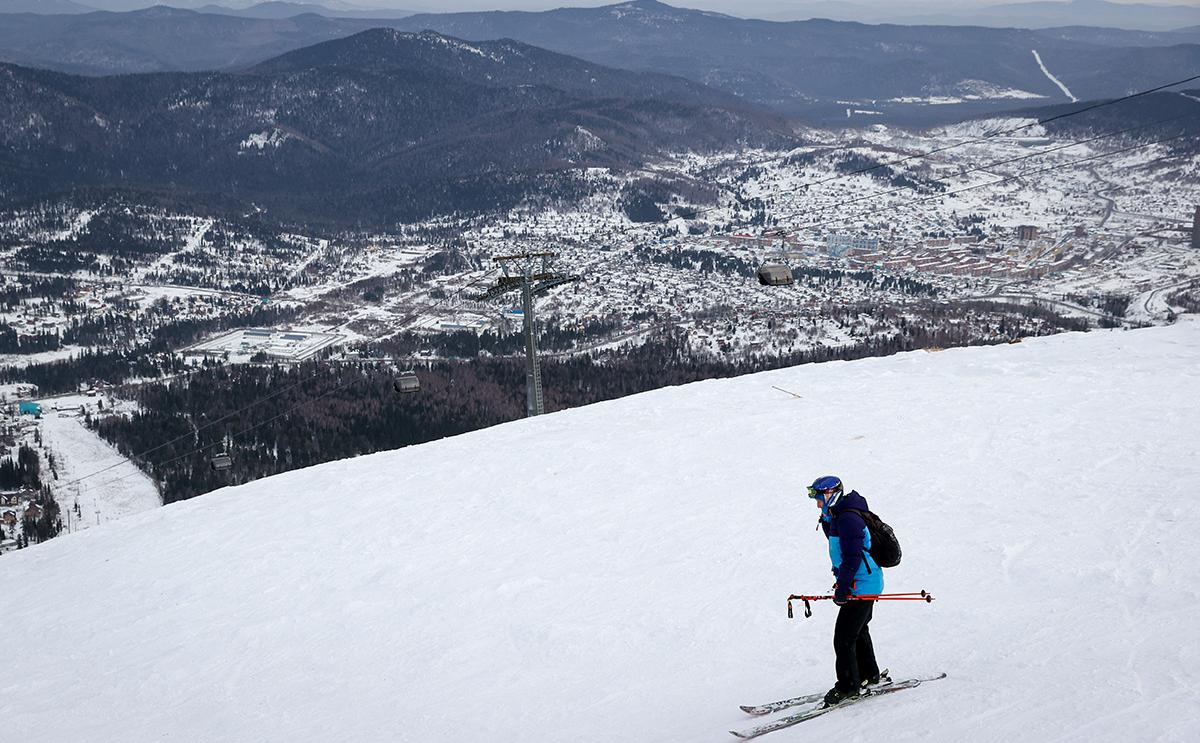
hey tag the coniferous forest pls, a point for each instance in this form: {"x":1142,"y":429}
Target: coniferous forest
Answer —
{"x":272,"y":419}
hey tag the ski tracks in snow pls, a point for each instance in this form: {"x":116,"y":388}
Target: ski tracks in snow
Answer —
{"x":1066,"y":91}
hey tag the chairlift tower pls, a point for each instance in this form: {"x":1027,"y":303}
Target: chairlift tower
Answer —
{"x":532,"y":275}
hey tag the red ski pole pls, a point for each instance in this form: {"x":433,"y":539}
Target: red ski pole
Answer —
{"x":911,"y":596}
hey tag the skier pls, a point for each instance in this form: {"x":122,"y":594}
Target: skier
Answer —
{"x":857,"y":575}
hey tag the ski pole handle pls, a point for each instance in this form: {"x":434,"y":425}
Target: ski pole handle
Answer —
{"x":896,"y":597}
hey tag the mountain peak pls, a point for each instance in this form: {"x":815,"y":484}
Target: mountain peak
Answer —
{"x":381,"y":47}
{"x":646,"y":6}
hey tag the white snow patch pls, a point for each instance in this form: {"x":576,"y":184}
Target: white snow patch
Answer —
{"x":459,"y":45}
{"x":270,"y":138}
{"x":970,"y":90}
{"x":1053,"y":79}
{"x":76,"y":228}
{"x":587,"y":141}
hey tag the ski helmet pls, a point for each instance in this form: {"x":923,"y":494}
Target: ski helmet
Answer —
{"x":829,"y":487}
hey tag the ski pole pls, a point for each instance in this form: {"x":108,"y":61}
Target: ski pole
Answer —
{"x":912,"y":596}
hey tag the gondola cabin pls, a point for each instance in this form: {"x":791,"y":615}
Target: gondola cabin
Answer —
{"x":775,"y":275}
{"x":221,"y":462}
{"x":407,"y":383}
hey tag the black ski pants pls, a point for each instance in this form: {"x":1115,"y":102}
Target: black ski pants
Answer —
{"x":852,"y":644}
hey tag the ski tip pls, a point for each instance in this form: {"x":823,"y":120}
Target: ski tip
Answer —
{"x":736,"y":734}
{"x":752,"y":710}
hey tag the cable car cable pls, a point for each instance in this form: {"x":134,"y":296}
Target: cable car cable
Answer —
{"x":192,"y":433}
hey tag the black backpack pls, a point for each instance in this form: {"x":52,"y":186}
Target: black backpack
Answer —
{"x":885,"y":548}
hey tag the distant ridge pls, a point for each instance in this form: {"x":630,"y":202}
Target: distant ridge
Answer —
{"x":277,"y":9}
{"x":825,"y":72}
{"x":1033,"y":15}
{"x":1139,"y":16}
{"x":377,"y":127}
{"x":818,"y":68}
{"x":159,"y":39}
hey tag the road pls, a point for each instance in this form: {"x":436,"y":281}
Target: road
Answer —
{"x":1152,"y":305}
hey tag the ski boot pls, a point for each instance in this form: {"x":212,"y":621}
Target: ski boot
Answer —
{"x":882,"y":677}
{"x":836,"y":696}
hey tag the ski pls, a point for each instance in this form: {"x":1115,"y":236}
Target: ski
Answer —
{"x":766,"y":709}
{"x":799,"y":717}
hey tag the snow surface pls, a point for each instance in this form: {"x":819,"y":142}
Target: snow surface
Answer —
{"x":1061,"y":85}
{"x":118,"y":491}
{"x":969,"y":90}
{"x":619,"y":572}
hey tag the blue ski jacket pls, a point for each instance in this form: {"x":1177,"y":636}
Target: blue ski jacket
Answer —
{"x":849,"y":542}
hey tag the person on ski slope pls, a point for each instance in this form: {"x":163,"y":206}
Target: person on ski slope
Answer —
{"x":857,"y":575}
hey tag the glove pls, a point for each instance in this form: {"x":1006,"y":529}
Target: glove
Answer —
{"x":840,"y":597}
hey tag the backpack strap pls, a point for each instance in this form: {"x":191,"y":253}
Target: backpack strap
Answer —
{"x":862,"y":515}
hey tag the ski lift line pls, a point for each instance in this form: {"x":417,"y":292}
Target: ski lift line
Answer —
{"x":1011,"y":160}
{"x":1007,"y":179}
{"x":1097,"y":105}
{"x":206,"y":447}
{"x":251,"y":405}
{"x":191,"y":434}
{"x":988,"y":135}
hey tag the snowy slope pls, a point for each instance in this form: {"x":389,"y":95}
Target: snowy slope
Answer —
{"x":619,"y":572}
{"x":118,"y":491}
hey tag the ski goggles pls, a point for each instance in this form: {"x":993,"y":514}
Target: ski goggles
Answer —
{"x":820,"y":494}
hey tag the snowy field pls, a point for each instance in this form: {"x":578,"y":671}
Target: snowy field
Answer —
{"x":619,"y":572}
{"x":119,"y":490}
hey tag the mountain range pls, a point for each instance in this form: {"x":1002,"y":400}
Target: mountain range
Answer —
{"x":1095,"y":13}
{"x":380,"y":126}
{"x":815,"y":69}
{"x":812,"y":68}
{"x":277,"y":9}
{"x":159,"y":39}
